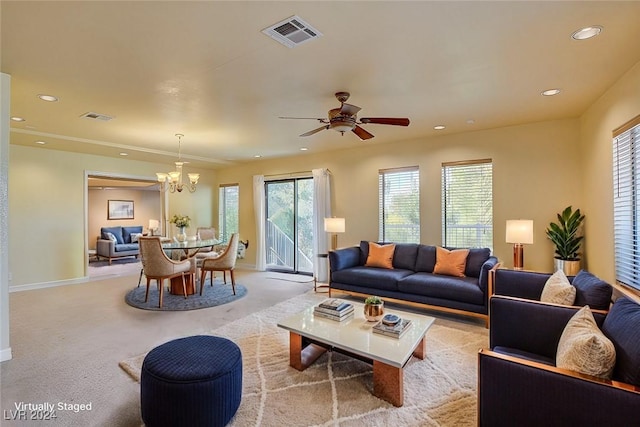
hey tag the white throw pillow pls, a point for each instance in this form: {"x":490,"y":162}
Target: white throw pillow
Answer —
{"x":558,"y":290}
{"x":135,"y":237}
{"x":111,"y":237}
{"x":584,"y":348}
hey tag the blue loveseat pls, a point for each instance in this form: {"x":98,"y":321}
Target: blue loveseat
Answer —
{"x":519,"y":384}
{"x":122,"y":244}
{"x":412,"y":281}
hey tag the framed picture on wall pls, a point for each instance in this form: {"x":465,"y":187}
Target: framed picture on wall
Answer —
{"x":120,"y":209}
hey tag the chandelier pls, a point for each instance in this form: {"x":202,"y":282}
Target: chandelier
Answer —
{"x":172,"y":181}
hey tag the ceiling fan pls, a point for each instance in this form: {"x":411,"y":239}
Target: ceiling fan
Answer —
{"x":345,"y":119}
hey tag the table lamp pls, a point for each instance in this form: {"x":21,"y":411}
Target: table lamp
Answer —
{"x":334,"y":226}
{"x":154,"y":224}
{"x":519,"y":232}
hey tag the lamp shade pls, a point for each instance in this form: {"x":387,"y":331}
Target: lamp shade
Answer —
{"x":334,"y":225}
{"x":154,"y":224}
{"x":520,"y":231}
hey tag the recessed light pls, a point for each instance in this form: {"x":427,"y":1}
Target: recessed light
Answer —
{"x":257,"y":156}
{"x":40,"y":142}
{"x":48,"y":98}
{"x":303,"y":149}
{"x":550,"y":92}
{"x":439,"y":127}
{"x":587,"y":32}
{"x":470,"y":121}
{"x":18,"y":119}
{"x":124,"y":154}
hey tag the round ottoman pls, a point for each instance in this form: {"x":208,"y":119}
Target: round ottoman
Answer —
{"x":193,"y":381}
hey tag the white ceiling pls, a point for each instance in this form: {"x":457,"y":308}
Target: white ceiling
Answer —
{"x":204,"y":69}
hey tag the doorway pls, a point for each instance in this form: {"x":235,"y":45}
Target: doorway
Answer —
{"x":289,"y":225}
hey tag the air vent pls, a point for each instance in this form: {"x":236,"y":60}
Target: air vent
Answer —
{"x":292,"y":32}
{"x":96,"y":116}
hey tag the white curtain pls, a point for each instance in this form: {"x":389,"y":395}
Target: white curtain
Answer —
{"x":259,"y":211}
{"x":321,"y":210}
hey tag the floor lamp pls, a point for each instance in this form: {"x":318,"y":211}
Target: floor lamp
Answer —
{"x":519,"y":232}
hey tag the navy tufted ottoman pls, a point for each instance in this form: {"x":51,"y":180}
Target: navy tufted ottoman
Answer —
{"x":193,"y":381}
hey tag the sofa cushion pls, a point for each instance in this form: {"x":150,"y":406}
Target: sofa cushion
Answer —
{"x":558,"y":290}
{"x":426,"y":259}
{"x":125,"y":247}
{"x":451,"y":263}
{"x":110,"y":236}
{"x":375,"y":278}
{"x":116,"y":231}
{"x":136,"y":236}
{"x":476,"y":258}
{"x":584,"y":348}
{"x":464,"y":289}
{"x":405,"y":256}
{"x":592,"y":291}
{"x":622,"y":326}
{"x":380,"y":256}
{"x":127,"y":231}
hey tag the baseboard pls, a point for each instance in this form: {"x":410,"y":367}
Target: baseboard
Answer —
{"x":5,"y":354}
{"x":43,"y":285}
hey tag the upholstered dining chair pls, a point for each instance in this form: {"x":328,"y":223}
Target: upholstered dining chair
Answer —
{"x":157,"y":266}
{"x":224,"y":262}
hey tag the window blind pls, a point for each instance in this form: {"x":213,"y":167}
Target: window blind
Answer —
{"x":467,"y":204}
{"x":399,"y":205}
{"x":228,"y":205}
{"x":626,"y":203}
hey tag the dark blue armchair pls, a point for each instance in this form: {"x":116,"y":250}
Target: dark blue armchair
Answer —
{"x":519,"y":384}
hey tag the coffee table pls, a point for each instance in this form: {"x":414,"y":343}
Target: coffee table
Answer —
{"x":311,"y":336}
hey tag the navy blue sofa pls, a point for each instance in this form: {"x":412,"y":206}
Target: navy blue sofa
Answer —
{"x":411,"y":281}
{"x":519,"y":384}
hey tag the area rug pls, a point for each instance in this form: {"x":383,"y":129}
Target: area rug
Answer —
{"x":212,"y":296}
{"x":336,"y":390}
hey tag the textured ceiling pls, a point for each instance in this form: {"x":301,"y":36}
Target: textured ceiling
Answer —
{"x":204,"y":69}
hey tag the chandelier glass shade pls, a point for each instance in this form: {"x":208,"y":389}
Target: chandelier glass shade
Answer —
{"x":172,"y":181}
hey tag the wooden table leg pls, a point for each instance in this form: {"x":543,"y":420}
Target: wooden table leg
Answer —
{"x":388,"y":383}
{"x":421,"y":350}
{"x":176,"y":285}
{"x":301,"y":358}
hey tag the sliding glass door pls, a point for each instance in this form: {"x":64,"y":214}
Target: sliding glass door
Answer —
{"x":289,"y":225}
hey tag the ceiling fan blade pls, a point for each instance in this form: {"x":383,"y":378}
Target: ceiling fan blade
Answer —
{"x":349,"y":110}
{"x":386,"y":121}
{"x":362,"y":134}
{"x":323,"y":120}
{"x":311,"y":132}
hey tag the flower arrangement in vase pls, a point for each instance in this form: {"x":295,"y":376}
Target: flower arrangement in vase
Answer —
{"x":181,"y":222}
{"x":373,"y":308}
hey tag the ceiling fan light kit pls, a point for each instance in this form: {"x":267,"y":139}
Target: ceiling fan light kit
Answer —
{"x":345,"y":119}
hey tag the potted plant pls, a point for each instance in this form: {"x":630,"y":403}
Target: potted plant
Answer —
{"x":566,"y":236}
{"x":373,"y":308}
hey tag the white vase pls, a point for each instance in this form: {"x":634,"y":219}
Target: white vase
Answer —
{"x":182,"y":234}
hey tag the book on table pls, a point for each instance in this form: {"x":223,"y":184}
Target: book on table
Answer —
{"x":395,"y":331}
{"x":346,"y":314}
{"x":335,"y":304}
{"x":332,"y":312}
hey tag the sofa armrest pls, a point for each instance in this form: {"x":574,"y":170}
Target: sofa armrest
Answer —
{"x":513,"y":391}
{"x":530,"y":326}
{"x":483,"y":280}
{"x":344,"y":258}
{"x":105,"y":247}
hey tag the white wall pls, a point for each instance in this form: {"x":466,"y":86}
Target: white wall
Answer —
{"x":5,"y":97}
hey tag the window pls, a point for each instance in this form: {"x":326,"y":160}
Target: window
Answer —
{"x":228,"y":210}
{"x":626,"y":202}
{"x":399,"y":210}
{"x":467,"y":204}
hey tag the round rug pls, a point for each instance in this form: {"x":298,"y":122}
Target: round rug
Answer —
{"x":218,"y":294}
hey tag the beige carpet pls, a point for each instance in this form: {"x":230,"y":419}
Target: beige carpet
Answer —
{"x":336,"y":390}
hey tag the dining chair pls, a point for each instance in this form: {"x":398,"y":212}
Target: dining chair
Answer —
{"x":157,"y":266}
{"x":224,"y":262}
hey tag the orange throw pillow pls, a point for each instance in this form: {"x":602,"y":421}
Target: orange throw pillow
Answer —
{"x":380,"y":255}
{"x":451,"y":263}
